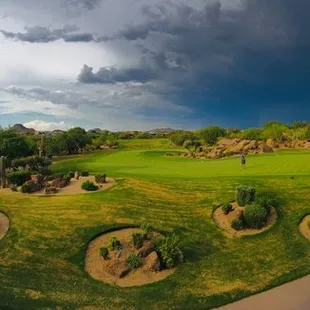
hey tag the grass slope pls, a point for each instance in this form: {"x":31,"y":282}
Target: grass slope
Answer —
{"x":42,"y":257}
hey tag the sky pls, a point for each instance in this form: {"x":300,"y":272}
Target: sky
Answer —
{"x":144,"y":64}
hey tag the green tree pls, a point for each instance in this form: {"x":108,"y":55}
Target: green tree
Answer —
{"x":253,"y":134}
{"x":211,"y":134}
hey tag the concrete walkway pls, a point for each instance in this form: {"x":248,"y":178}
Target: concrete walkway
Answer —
{"x":291,"y":296}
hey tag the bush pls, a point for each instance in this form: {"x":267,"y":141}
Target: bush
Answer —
{"x":211,"y":134}
{"x":33,"y":162}
{"x":265,"y":201}
{"x":89,"y":186}
{"x":13,"y":188}
{"x":227,"y":208}
{"x":44,"y":171}
{"x":255,"y":216}
{"x":84,"y":173}
{"x":101,"y":178}
{"x":26,"y":189}
{"x":133,"y":261}
{"x":147,"y":229}
{"x":168,"y":249}
{"x":114,"y":244}
{"x":245,"y":195}
{"x":19,"y":177}
{"x":71,"y":173}
{"x":138,"y":239}
{"x":238,"y":223}
{"x":104,"y":253}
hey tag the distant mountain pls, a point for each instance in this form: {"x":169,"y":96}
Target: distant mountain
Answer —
{"x":161,"y":130}
{"x":19,"y":128}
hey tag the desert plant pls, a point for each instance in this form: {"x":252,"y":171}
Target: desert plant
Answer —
{"x":19,"y":177}
{"x":238,"y":223}
{"x":114,"y":244}
{"x":265,"y":200}
{"x":245,"y":195}
{"x":255,"y":216}
{"x":104,"y":253}
{"x":147,"y":229}
{"x":168,"y":249}
{"x":84,"y":173}
{"x":227,"y":208}
{"x":101,"y":178}
{"x":138,"y":239}
{"x":89,"y":186}
{"x":133,"y":261}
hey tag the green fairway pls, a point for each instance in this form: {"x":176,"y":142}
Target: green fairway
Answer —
{"x":42,"y":257}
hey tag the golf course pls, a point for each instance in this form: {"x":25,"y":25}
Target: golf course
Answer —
{"x":42,"y":257}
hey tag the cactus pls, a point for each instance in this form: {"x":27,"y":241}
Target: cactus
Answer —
{"x":2,"y":173}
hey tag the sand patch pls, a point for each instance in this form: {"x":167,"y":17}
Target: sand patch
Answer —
{"x":96,"y":266}
{"x":4,"y":225}
{"x":224,"y":222}
{"x":74,"y":187}
{"x":304,"y":228}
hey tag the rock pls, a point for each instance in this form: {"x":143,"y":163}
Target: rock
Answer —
{"x":267,"y":149}
{"x":147,"y":249}
{"x":307,"y":145}
{"x":253,"y":145}
{"x":76,"y":175}
{"x":37,"y":178}
{"x":270,"y":143}
{"x":117,"y":268}
{"x":152,"y":262}
{"x":56,"y":181}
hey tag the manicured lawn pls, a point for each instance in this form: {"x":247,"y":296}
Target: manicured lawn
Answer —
{"x":42,"y":257}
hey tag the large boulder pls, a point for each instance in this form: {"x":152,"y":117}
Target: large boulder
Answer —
{"x":117,"y":268}
{"x":152,"y":262}
{"x":253,"y":145}
{"x":57,"y":181}
{"x":240,"y":146}
{"x":267,"y":149}
{"x":51,"y":190}
{"x":146,"y":249}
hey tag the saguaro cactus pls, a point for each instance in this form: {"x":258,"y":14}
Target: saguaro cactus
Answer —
{"x":2,"y":173}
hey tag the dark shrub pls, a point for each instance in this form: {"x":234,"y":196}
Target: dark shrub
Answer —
{"x":104,"y":253}
{"x":19,"y":177}
{"x":114,"y":244}
{"x":138,"y":239}
{"x":238,"y":223}
{"x":227,"y":208}
{"x":26,"y":189}
{"x":89,"y":186}
{"x":33,"y":162}
{"x":45,"y":171}
{"x":255,"y":216}
{"x":101,"y":178}
{"x":147,"y":229}
{"x":265,"y":200}
{"x":54,"y":176}
{"x":245,"y":195}
{"x":133,"y":261}
{"x":71,"y":173}
{"x":168,"y":249}
{"x":84,"y":173}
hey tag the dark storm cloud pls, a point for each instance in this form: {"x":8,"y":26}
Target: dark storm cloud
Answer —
{"x":40,"y":34}
{"x":86,"y":4}
{"x":113,"y":75}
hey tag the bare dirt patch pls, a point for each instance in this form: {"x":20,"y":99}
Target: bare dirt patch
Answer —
{"x":74,"y":187}
{"x":4,"y":225}
{"x":97,"y":267}
{"x":304,"y":228}
{"x":224,"y":222}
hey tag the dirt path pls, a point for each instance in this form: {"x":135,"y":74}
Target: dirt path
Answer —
{"x":291,"y":296}
{"x":4,"y":225}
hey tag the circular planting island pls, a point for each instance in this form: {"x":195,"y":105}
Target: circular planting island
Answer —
{"x":4,"y":225}
{"x":224,"y":221}
{"x":116,"y":266}
{"x":74,"y":187}
{"x":304,"y":227}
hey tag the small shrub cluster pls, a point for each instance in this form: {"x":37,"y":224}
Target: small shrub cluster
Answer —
{"x":19,"y":177}
{"x":266,"y":201}
{"x":89,"y":186}
{"x":44,"y":171}
{"x":101,"y":178}
{"x":168,"y":249}
{"x":147,"y":229}
{"x":138,"y":240}
{"x":133,"y":261}
{"x":84,"y":173}
{"x":26,"y":189}
{"x":71,"y":173}
{"x":104,"y":253}
{"x":238,"y":223}
{"x":245,"y":195}
{"x":114,"y":244}
{"x":255,"y":216}
{"x":13,"y":188}
{"x":227,"y":208}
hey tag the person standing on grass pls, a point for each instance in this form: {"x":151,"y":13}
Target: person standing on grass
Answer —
{"x":243,"y":160}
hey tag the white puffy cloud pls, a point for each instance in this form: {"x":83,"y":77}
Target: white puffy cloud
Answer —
{"x":40,"y":125}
